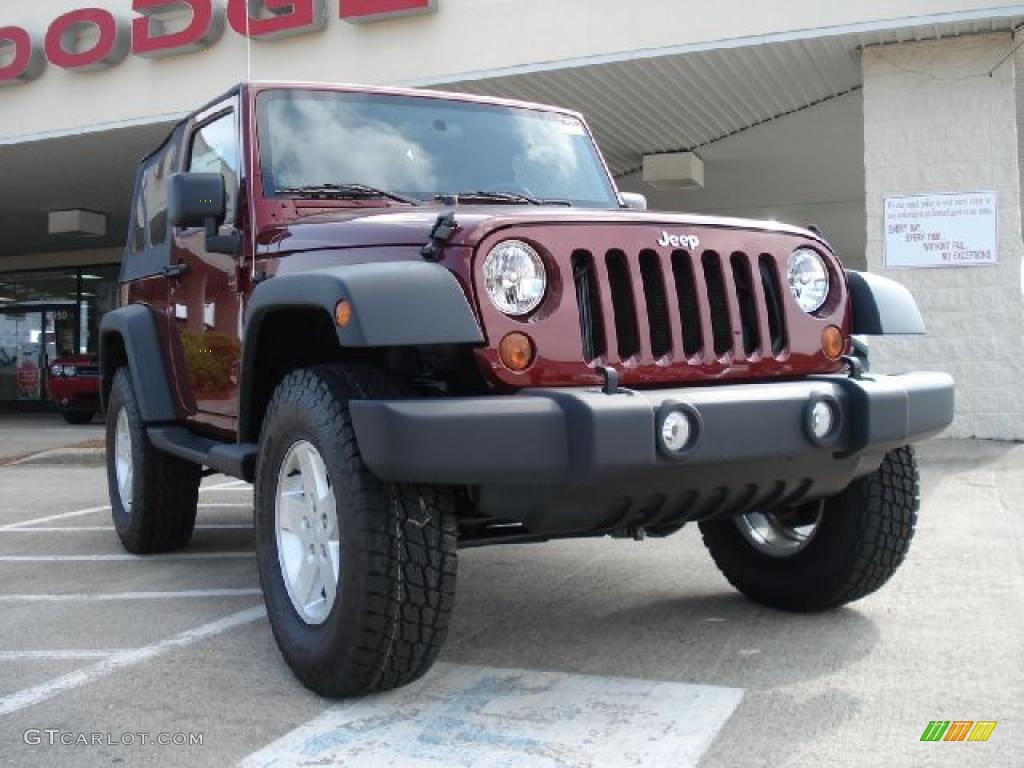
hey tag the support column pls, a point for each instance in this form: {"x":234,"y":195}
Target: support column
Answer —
{"x":936,"y":122}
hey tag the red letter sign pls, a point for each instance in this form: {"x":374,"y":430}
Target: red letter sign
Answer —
{"x":273,"y":19}
{"x":111,"y":48}
{"x":150,"y":38}
{"x":359,"y":11}
{"x":27,"y":62}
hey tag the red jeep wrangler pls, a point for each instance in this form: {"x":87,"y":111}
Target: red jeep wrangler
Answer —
{"x":73,"y":383}
{"x":419,"y":321}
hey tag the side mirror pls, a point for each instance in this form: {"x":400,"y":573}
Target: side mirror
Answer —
{"x":633,"y":200}
{"x":200,"y":200}
{"x":197,"y":200}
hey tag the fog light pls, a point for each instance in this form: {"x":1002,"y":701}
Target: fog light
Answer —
{"x":516,"y":352}
{"x":823,"y":419}
{"x":675,"y":431}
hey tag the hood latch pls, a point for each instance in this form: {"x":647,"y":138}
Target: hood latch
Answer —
{"x":442,"y":232}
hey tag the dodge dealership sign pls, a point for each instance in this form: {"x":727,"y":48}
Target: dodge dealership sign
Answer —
{"x":170,"y":27}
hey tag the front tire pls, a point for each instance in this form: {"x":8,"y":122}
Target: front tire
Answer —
{"x":358,"y":574}
{"x":153,"y":495}
{"x":803,"y":560}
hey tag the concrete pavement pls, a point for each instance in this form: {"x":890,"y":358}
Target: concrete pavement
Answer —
{"x":22,"y":434}
{"x":91,"y":642}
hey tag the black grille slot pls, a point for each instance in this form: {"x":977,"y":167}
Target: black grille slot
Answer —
{"x":657,"y":304}
{"x":623,"y":304}
{"x":686,"y":298}
{"x":744,"y":282}
{"x":588,"y":300}
{"x":721,"y":328}
{"x":773,"y":303}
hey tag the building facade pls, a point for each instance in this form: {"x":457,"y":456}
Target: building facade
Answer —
{"x":894,"y":127}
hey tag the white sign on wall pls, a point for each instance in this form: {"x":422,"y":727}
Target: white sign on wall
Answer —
{"x":942,"y":230}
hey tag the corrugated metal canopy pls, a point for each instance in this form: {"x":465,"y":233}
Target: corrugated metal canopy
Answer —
{"x":663,"y":103}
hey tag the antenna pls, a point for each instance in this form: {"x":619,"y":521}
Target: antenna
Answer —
{"x":248,"y":42}
{"x":252,"y":142}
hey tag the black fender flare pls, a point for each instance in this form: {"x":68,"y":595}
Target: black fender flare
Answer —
{"x":394,"y":304}
{"x":136,"y":327}
{"x":882,"y":307}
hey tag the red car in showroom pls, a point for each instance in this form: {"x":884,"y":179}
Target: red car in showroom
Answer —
{"x":73,"y":384}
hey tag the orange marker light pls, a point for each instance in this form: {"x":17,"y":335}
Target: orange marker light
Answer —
{"x":343,"y":313}
{"x":832,"y":343}
{"x":516,"y":352}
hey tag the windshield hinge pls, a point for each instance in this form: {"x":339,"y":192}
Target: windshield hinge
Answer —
{"x":442,"y":232}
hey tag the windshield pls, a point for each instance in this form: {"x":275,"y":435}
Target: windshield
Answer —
{"x":424,"y":147}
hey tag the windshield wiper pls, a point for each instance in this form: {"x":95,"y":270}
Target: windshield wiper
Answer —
{"x":511,"y":198}
{"x":344,"y":192}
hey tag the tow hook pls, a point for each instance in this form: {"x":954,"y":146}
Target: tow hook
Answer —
{"x":854,"y":366}
{"x":611,"y":380}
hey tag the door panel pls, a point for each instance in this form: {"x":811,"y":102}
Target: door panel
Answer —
{"x":205,"y":301}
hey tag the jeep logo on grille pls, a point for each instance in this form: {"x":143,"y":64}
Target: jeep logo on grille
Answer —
{"x":690,"y":242}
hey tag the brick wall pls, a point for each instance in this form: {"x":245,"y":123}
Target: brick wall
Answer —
{"x":934,"y":121}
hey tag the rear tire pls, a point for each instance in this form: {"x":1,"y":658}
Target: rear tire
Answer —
{"x":860,"y":539}
{"x":78,"y":418}
{"x":153,"y":495}
{"x":380,"y":623}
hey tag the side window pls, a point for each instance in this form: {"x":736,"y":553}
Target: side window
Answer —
{"x":215,"y":150}
{"x":137,"y":239}
{"x":149,"y":247}
{"x":154,"y":194}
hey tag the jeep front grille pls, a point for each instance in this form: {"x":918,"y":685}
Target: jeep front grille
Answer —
{"x":742,"y":294}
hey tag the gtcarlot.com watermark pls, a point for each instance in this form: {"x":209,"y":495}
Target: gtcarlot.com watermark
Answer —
{"x":54,"y":737}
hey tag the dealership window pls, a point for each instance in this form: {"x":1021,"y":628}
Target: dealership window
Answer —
{"x":98,"y":295}
{"x":46,"y":315}
{"x":215,"y":150}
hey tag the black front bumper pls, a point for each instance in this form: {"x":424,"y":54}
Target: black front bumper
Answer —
{"x":564,"y":459}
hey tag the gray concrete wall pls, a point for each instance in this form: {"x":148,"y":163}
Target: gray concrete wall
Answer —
{"x":934,"y":122}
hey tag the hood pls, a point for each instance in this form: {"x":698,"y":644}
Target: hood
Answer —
{"x":364,"y":228}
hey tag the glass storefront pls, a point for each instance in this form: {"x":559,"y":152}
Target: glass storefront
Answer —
{"x":45,"y":315}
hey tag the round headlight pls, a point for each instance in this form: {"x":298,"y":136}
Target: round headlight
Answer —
{"x":57,"y":371}
{"x":515,"y":277}
{"x":808,"y":279}
{"x":70,"y":370}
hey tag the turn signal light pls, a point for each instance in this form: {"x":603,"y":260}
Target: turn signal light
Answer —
{"x":832,"y":343}
{"x":516,"y":352}
{"x":343,"y":313}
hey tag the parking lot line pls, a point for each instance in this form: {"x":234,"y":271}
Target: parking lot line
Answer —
{"x":231,"y":485}
{"x":95,"y":528}
{"x":80,"y":597}
{"x":50,"y":518}
{"x":54,"y":655}
{"x":80,"y":677}
{"x":483,"y":716}
{"x":124,"y":556}
{"x":90,"y":510}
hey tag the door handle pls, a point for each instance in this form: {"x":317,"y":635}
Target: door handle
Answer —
{"x":174,"y":271}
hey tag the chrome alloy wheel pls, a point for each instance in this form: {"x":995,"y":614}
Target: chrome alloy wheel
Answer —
{"x":782,"y":533}
{"x":123,"y":460}
{"x":306,"y":522}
